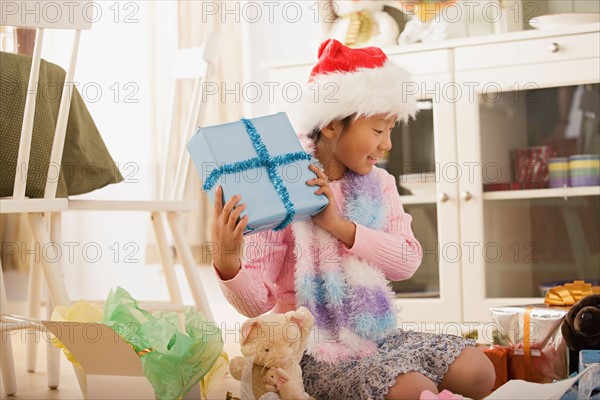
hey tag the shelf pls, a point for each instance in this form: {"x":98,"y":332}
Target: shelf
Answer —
{"x":421,"y":199}
{"x":418,"y":295}
{"x":543,"y":193}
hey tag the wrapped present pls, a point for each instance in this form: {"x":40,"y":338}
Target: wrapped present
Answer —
{"x":570,"y":293}
{"x":498,"y":355}
{"x":538,"y":351}
{"x":262,"y":160}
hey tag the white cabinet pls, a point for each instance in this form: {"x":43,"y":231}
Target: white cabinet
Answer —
{"x":533,"y":237}
{"x":480,"y":100}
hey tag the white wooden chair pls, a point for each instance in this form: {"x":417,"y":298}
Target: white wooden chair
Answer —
{"x":13,"y":15}
{"x":197,"y":64}
{"x":190,"y":64}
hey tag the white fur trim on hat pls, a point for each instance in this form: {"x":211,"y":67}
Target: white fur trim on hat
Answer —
{"x":364,"y":92}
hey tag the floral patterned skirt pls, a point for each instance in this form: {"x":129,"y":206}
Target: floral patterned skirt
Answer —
{"x":372,"y":377}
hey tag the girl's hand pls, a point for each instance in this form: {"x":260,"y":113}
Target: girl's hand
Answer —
{"x":227,"y":234}
{"x":328,"y":219}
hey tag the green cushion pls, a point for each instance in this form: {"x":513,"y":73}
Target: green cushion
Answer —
{"x":86,"y":163}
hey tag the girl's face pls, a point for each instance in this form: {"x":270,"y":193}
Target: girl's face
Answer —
{"x":360,"y":147}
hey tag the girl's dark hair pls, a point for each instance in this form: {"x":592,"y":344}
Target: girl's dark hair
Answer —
{"x":316,"y":134}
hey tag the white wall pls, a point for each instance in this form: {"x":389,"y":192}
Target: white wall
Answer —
{"x":290,"y":35}
{"x":112,"y":77}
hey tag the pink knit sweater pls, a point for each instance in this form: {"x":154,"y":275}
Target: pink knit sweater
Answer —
{"x":266,"y":279}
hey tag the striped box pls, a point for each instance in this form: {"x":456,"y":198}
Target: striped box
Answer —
{"x":558,"y":168}
{"x":584,"y":170}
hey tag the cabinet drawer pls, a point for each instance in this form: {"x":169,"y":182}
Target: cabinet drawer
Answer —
{"x":560,"y":48}
{"x":424,"y":63}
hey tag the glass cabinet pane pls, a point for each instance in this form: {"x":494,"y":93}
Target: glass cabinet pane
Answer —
{"x":533,"y":244}
{"x":426,"y":281}
{"x":522,"y":130}
{"x":533,"y":141}
{"x":412,"y":162}
{"x":413,"y":150}
{"x":565,"y":118}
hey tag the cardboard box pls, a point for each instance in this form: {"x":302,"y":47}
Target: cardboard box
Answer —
{"x":211,"y":148}
{"x":110,"y":368}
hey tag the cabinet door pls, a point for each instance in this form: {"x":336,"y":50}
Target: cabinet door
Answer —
{"x":423,"y":160}
{"x":519,"y":235}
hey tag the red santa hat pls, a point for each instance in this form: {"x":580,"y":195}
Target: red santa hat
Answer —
{"x":346,"y":81}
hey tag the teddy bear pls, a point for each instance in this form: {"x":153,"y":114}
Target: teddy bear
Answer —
{"x":273,"y":341}
{"x":581,"y":326}
{"x":358,"y":23}
{"x":277,"y":380}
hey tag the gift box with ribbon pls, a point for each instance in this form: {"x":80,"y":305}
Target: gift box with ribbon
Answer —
{"x":570,"y":293}
{"x":538,"y":352}
{"x":262,"y":160}
{"x":498,"y":355}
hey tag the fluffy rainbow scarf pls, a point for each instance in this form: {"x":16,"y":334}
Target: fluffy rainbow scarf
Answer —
{"x":350,"y":299}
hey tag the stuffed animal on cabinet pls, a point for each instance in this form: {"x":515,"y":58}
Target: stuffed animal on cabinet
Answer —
{"x":358,"y":23}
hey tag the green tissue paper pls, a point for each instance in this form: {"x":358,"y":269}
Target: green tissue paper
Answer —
{"x":173,"y":359}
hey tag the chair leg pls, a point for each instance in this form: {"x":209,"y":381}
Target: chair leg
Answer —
{"x":52,"y":357}
{"x":9,"y":379}
{"x":166,"y":259}
{"x":56,"y":287}
{"x":189,"y":265}
{"x":34,"y":300}
{"x":7,"y":363}
{"x":53,"y":352}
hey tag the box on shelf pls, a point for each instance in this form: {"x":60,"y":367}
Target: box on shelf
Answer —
{"x":538,"y":351}
{"x":531,"y":165}
{"x":262,"y":161}
{"x":109,"y":367}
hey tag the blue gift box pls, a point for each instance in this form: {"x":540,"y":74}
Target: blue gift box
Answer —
{"x":262,"y":160}
{"x":587,"y":358}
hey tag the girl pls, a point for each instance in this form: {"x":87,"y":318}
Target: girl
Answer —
{"x":337,"y":264}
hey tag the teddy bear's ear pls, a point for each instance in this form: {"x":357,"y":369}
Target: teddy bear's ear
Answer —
{"x":300,"y":316}
{"x":249,"y":331}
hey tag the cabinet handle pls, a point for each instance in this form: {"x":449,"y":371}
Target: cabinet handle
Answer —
{"x":444,"y":197}
{"x":466,"y":196}
{"x":555,"y":47}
